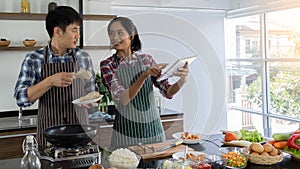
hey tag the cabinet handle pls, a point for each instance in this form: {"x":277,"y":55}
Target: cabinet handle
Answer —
{"x":16,"y":135}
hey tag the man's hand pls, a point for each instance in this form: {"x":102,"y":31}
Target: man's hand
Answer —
{"x":62,"y":79}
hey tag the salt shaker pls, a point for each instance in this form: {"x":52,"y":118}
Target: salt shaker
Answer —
{"x":30,"y":160}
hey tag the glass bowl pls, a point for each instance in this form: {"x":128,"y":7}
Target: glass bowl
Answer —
{"x":235,"y":157}
{"x":122,"y":162}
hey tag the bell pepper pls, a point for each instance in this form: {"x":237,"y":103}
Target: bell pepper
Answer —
{"x":292,"y":141}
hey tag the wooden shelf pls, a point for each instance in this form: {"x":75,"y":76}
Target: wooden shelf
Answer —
{"x":42,"y":16}
{"x":23,"y":48}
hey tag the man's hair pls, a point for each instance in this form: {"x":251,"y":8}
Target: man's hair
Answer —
{"x":62,"y":16}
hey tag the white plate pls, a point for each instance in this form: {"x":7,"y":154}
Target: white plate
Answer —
{"x":77,"y":101}
{"x":188,"y":141}
{"x":179,"y":155}
{"x":238,"y":143}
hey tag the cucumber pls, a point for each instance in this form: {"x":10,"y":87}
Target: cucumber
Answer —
{"x":282,"y":136}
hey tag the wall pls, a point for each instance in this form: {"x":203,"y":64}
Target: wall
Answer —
{"x":167,"y":34}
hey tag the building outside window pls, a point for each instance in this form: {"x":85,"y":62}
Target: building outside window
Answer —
{"x":263,"y":70}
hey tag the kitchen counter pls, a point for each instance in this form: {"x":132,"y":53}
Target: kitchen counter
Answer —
{"x":30,"y":121}
{"x":206,"y":147}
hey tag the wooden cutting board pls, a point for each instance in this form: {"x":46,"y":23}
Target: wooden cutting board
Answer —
{"x":149,"y":155}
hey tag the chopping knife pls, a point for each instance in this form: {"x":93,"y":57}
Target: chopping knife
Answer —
{"x":171,"y":145}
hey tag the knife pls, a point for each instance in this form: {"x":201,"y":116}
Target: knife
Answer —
{"x":171,"y":145}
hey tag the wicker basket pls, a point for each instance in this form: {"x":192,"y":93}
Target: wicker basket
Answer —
{"x":265,"y":160}
{"x":4,"y":43}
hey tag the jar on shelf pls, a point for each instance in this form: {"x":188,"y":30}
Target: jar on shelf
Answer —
{"x":25,"y":6}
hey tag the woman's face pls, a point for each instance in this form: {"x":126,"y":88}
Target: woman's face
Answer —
{"x":119,"y":37}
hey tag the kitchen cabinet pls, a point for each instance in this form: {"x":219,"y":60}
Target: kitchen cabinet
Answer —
{"x":11,"y":142}
{"x":41,"y":17}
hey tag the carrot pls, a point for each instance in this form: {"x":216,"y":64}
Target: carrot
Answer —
{"x":272,"y":141}
{"x":280,"y":144}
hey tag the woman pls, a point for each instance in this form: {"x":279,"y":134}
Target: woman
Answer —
{"x":130,"y":77}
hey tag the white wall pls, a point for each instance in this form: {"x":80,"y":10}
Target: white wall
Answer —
{"x":167,"y":34}
{"x":171,"y":34}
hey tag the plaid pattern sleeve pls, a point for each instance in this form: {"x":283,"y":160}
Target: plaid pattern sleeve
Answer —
{"x":28,"y":76}
{"x":163,"y":85}
{"x":108,"y":68}
{"x":85,"y":62}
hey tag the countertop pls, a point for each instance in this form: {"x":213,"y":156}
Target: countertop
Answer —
{"x":30,"y":121}
{"x":208,"y":147}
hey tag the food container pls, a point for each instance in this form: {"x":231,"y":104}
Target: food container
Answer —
{"x":234,"y":157}
{"x":266,"y":160}
{"x":29,"y":42}
{"x":4,"y":43}
{"x":123,"y":159}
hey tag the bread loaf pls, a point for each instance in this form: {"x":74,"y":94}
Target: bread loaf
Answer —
{"x":257,"y":147}
{"x":96,"y":166}
{"x":90,"y":96}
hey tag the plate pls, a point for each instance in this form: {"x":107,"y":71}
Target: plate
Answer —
{"x":238,"y":143}
{"x":77,"y":101}
{"x":179,"y":155}
{"x":190,"y":141}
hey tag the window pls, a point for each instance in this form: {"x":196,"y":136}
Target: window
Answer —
{"x":263,"y":69}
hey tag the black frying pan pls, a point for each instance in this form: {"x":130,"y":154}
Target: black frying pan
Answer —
{"x":70,"y":135}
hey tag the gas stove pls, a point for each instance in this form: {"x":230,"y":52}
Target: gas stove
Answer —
{"x":67,"y":158}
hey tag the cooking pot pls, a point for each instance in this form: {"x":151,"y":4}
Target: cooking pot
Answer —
{"x":70,"y":135}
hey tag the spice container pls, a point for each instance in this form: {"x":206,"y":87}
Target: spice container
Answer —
{"x":25,"y":6}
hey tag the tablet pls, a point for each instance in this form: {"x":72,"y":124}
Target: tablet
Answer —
{"x":178,"y":64}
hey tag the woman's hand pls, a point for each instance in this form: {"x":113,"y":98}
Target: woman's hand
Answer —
{"x":182,"y":73}
{"x":156,"y":69}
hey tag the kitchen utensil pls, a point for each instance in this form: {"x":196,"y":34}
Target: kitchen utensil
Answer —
{"x":70,"y":135}
{"x":149,"y":155}
{"x":171,"y":145}
{"x":83,"y":74}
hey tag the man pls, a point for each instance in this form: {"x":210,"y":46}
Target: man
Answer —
{"x":47,"y":74}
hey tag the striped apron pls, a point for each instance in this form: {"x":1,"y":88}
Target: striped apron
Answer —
{"x":55,"y":106}
{"x":139,"y":120}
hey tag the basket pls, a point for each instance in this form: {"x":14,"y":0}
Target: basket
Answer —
{"x":29,"y":43}
{"x":265,"y":160}
{"x":4,"y":43}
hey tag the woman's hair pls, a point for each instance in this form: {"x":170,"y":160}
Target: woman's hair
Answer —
{"x":62,"y":16}
{"x":131,"y":29}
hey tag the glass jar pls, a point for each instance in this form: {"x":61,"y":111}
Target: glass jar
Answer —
{"x":25,"y":6}
{"x":31,"y":159}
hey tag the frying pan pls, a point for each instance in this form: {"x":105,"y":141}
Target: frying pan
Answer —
{"x":70,"y":135}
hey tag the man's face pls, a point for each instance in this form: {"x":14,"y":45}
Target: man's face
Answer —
{"x":70,"y":37}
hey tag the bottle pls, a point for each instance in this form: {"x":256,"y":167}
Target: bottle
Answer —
{"x":30,"y":160}
{"x":25,"y":6}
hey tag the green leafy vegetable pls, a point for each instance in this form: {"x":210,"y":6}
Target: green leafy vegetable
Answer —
{"x":252,"y":136}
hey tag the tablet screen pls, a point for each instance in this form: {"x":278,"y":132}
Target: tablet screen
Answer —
{"x":178,"y":64}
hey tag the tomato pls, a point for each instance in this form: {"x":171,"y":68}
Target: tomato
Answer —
{"x":296,"y":132}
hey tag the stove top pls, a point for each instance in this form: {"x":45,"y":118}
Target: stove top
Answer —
{"x":76,"y":157}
